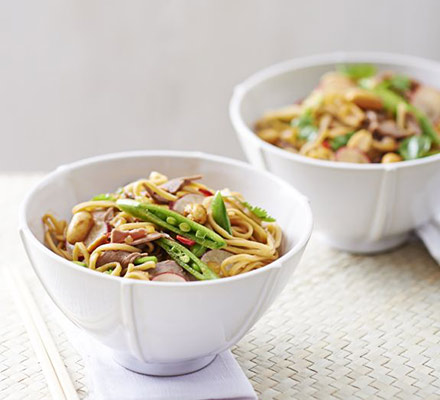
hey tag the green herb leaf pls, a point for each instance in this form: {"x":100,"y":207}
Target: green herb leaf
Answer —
{"x":401,"y":83}
{"x":415,"y":147}
{"x":340,"y":141}
{"x":357,"y":71}
{"x":303,"y":120}
{"x":308,"y":133}
{"x":367,"y":83}
{"x":258,"y":212}
{"x":109,"y":271}
{"x":306,"y":126}
{"x":104,"y":196}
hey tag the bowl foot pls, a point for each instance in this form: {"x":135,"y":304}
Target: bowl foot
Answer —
{"x":359,"y":247}
{"x":163,"y":369}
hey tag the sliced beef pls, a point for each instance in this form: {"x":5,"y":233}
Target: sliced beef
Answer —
{"x":159,"y":199}
{"x":390,"y":128}
{"x":371,"y":120}
{"x":122,"y":257}
{"x":174,"y":185}
{"x":411,"y":124}
{"x":108,"y":214}
{"x":98,"y":233}
{"x":127,"y":195}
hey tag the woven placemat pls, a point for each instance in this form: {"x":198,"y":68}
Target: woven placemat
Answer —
{"x":345,"y":327}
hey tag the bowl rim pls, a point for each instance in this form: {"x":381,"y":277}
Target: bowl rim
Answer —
{"x":26,"y":232}
{"x":265,"y":74}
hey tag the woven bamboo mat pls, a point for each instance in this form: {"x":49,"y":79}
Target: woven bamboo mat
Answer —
{"x":345,"y":327}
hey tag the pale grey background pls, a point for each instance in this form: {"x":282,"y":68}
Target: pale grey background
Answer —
{"x":85,"y":77}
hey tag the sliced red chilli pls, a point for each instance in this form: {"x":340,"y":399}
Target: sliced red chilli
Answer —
{"x":185,"y":241}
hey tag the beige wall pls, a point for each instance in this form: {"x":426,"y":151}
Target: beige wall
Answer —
{"x":84,"y":77}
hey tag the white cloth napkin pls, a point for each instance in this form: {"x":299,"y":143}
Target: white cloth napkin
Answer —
{"x":222,"y":379}
{"x":430,"y":235}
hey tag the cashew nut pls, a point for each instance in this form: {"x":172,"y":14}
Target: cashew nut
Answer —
{"x":79,"y":227}
{"x":390,"y":158}
{"x":269,"y":135}
{"x":322,"y":153}
{"x":196,"y":212}
{"x":361,"y":140}
{"x":364,"y":99}
{"x":386,"y":144}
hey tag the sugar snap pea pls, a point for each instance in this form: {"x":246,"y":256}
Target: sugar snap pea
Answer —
{"x":145,"y":259}
{"x":391,"y":101}
{"x":198,"y":250}
{"x":220,"y":214}
{"x":80,"y":263}
{"x":104,"y":196}
{"x":415,"y":147}
{"x":187,"y":260}
{"x":173,"y":222}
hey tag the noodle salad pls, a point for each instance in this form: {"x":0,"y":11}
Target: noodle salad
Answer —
{"x":358,"y":115}
{"x":173,"y":230}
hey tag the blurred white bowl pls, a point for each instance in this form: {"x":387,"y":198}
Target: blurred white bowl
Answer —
{"x":357,"y":207}
{"x":162,"y":328}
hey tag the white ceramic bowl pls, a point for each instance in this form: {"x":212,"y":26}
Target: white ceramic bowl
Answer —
{"x":162,"y":328}
{"x":357,"y":207}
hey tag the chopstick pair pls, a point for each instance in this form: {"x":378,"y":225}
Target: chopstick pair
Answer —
{"x":59,"y":382}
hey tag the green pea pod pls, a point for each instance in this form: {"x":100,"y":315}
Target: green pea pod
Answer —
{"x":104,"y":196}
{"x":357,"y":71}
{"x":198,"y":250}
{"x":340,"y":141}
{"x":187,"y":260}
{"x":392,"y":100}
{"x":415,"y":147}
{"x":432,"y":153}
{"x":173,"y":222}
{"x":401,"y":83}
{"x":426,"y":125}
{"x":80,"y":263}
{"x":145,"y":259}
{"x":220,"y":214}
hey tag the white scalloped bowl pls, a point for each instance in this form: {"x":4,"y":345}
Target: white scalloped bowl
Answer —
{"x":162,"y":328}
{"x":362,"y":208}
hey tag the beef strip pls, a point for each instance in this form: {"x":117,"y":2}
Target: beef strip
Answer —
{"x":122,"y":257}
{"x":101,"y":219}
{"x":159,"y":199}
{"x":174,"y":185}
{"x":390,"y":128}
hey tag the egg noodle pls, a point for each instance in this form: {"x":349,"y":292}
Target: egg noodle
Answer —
{"x":251,"y":241}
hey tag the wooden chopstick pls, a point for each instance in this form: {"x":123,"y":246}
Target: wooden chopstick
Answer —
{"x":59,"y":382}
